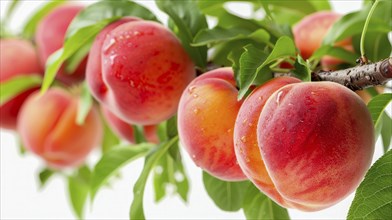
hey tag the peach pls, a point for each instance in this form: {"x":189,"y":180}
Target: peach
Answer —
{"x":144,"y":71}
{"x":309,"y":34}
{"x":48,"y":128}
{"x":316,"y":144}
{"x":94,"y":64}
{"x":206,"y":115}
{"x":125,"y":130}
{"x":50,"y":37}
{"x":18,"y":57}
{"x":245,"y":137}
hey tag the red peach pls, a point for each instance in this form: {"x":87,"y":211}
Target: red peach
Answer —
{"x":144,"y":71}
{"x":48,"y":128}
{"x":126,"y":131}
{"x":245,"y":138}
{"x":94,"y":64}
{"x":206,"y":116}
{"x":50,"y":37}
{"x":309,"y":34}
{"x":316,"y":144}
{"x":18,"y":57}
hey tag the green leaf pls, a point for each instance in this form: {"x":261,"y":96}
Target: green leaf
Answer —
{"x":138,"y":133}
{"x":336,"y":52}
{"x":170,"y":173}
{"x":110,"y":139}
{"x":302,"y":69}
{"x":225,"y":18}
{"x":284,"y":47}
{"x":352,"y":24}
{"x":188,"y":21}
{"x":303,"y":6}
{"x":377,"y":105}
{"x":85,"y":105}
{"x":373,"y":197}
{"x":250,"y":61}
{"x":219,"y":34}
{"x":78,"y":187}
{"x":30,"y":27}
{"x":256,"y":205}
{"x":112,"y":161}
{"x":386,"y":131}
{"x":85,"y":26}
{"x":10,"y":10}
{"x":137,"y":211}
{"x":377,"y":45}
{"x":18,"y":84}
{"x":104,"y":10}
{"x":171,"y":127}
{"x":228,"y":196}
{"x":71,"y":46}
{"x":44,"y":175}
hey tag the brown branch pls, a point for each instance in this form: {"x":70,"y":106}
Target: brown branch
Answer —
{"x":359,"y":77}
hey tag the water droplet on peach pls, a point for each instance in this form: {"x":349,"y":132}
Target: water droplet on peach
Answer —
{"x":243,"y":139}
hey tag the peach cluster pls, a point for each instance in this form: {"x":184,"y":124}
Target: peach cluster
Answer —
{"x":303,"y":145}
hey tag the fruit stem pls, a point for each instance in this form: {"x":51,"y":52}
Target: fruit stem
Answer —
{"x":365,"y":27}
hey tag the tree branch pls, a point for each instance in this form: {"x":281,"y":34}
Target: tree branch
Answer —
{"x":359,"y":77}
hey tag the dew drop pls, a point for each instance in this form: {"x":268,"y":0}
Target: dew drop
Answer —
{"x":158,"y":170}
{"x":191,"y":89}
{"x":250,"y":124}
{"x":244,"y":121}
{"x":280,"y":93}
{"x":132,"y":83}
{"x":196,"y":110}
{"x":229,"y":130}
{"x":243,"y":139}
{"x":193,"y":156}
{"x":195,"y":95}
{"x":111,"y":43}
{"x":178,"y":176}
{"x":260,"y":98}
{"x":247,"y":159}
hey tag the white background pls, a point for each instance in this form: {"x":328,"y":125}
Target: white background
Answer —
{"x":21,"y":197}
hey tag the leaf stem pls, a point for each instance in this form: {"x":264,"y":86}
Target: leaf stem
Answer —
{"x":365,"y":27}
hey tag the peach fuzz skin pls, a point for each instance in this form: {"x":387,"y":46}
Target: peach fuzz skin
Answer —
{"x":144,"y":72}
{"x":57,"y":138}
{"x":125,"y":130}
{"x":309,"y":34}
{"x":18,"y":57}
{"x":206,"y":116}
{"x":316,"y":144}
{"x":245,"y":139}
{"x":50,"y":36}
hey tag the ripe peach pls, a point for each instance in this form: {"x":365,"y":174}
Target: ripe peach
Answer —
{"x":94,"y":64}
{"x":47,"y":125}
{"x":125,"y":130}
{"x":50,"y":36}
{"x":316,"y":144}
{"x":245,"y":137}
{"x":18,"y":57}
{"x":144,"y":71}
{"x":206,"y":116}
{"x":309,"y":34}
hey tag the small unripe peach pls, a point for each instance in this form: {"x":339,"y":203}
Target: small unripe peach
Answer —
{"x":48,"y":128}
